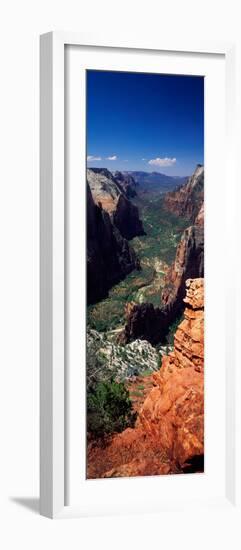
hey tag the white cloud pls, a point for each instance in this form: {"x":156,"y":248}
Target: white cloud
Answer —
{"x":162,"y":162}
{"x":126,"y":160}
{"x":92,"y":157}
{"x":143,"y":159}
{"x":114,"y":157}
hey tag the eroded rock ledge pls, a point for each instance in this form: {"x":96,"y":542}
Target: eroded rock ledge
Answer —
{"x":169,"y":433}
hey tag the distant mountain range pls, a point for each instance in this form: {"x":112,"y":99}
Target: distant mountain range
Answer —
{"x":156,"y":181}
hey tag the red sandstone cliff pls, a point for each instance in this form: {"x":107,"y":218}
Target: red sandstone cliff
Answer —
{"x":169,"y":433}
{"x":187,"y":200}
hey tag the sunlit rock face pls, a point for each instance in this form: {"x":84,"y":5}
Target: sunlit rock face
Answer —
{"x":199,"y":220}
{"x":108,"y":194}
{"x":169,"y":433}
{"x":174,"y":410}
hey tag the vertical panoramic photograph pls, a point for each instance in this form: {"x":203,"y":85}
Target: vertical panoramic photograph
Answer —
{"x":145,"y":274}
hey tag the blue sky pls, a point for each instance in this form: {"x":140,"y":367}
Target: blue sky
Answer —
{"x":149,"y":122}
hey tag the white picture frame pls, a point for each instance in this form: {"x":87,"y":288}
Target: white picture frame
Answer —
{"x":53,"y":426}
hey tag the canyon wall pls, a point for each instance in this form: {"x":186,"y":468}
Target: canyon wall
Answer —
{"x":189,"y":263}
{"x":109,"y":193}
{"x":146,"y":322}
{"x":109,"y":256}
{"x":127,"y":183}
{"x":187,"y":199}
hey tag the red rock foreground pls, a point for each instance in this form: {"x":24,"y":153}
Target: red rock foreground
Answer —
{"x":169,"y":433}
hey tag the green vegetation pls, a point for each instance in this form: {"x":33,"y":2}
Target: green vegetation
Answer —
{"x":156,"y":251}
{"x":109,"y":409}
{"x":163,"y":231}
{"x":108,"y":314}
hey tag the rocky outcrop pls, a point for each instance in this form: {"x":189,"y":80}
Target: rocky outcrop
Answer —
{"x":103,"y":188}
{"x":169,"y":432}
{"x":107,"y":360}
{"x":187,"y":199}
{"x":174,"y":409}
{"x":108,"y":194}
{"x":189,"y":263}
{"x":109,"y":256}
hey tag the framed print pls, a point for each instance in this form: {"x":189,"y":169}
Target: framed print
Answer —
{"x":141,"y":271}
{"x":138,"y":183}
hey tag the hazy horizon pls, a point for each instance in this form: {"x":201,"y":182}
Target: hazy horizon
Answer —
{"x":104,"y":167}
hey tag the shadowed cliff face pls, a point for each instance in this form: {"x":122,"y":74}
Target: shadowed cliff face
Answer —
{"x":109,"y":193}
{"x":109,"y":256}
{"x":126,"y":218}
{"x":127,"y":184}
{"x":144,"y":322}
{"x":169,"y":433}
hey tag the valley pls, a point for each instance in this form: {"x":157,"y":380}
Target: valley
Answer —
{"x":156,"y":251}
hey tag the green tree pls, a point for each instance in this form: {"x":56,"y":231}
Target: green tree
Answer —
{"x":109,"y":409}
